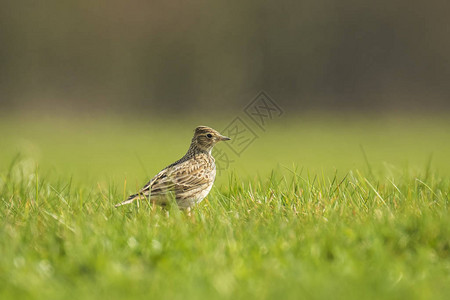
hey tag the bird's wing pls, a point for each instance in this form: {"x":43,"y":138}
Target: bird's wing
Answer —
{"x":182,"y":179}
{"x":145,"y":191}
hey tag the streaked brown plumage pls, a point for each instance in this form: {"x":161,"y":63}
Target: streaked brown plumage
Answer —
{"x":189,"y":179}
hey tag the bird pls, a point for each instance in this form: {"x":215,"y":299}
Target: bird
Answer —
{"x":187,"y":180}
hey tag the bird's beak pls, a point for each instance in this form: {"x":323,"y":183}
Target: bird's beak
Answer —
{"x":224,"y":138}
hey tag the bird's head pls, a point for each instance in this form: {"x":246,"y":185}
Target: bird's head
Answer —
{"x":205,"y":138}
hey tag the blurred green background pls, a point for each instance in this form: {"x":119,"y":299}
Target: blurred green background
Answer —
{"x":113,"y":89}
{"x":115,"y":149}
{"x":88,"y":83}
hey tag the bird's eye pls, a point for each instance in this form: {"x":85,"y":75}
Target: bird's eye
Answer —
{"x":209,"y":135}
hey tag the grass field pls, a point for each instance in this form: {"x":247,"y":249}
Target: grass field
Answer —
{"x":315,"y":208}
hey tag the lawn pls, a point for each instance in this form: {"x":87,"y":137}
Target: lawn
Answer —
{"x":316,"y":207}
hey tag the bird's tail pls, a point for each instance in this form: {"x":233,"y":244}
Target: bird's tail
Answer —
{"x":130,"y":199}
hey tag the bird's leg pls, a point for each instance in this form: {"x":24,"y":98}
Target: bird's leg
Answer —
{"x":190,"y":214}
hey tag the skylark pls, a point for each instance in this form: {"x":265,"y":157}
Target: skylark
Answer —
{"x":189,"y":179}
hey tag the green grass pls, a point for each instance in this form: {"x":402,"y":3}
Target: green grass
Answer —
{"x":314,"y":209}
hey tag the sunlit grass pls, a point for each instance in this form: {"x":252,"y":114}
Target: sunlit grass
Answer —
{"x":286,"y":221}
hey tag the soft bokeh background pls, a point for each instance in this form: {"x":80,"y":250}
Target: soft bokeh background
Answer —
{"x":190,"y":56}
{"x":114,"y":88}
